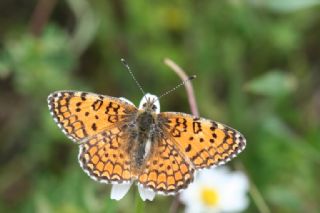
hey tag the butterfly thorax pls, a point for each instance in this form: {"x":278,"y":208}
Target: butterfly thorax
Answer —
{"x":145,"y":120}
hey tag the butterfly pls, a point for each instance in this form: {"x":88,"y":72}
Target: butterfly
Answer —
{"x":120,"y":143}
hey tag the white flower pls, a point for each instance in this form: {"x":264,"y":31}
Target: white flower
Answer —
{"x":217,"y":190}
{"x":118,"y":191}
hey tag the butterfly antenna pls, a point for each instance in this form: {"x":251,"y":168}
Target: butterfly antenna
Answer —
{"x":134,"y":78}
{"x":179,"y":85}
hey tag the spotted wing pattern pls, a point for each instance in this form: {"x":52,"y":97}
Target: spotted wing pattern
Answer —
{"x":204,"y":142}
{"x":81,"y":115}
{"x":166,"y":170}
{"x":104,"y":158}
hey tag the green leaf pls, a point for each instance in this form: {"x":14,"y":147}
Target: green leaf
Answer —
{"x":273,"y":84}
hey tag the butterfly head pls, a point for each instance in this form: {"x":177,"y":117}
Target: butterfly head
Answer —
{"x":150,"y":103}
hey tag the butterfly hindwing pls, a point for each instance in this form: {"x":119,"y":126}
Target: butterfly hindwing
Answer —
{"x":166,"y":170}
{"x":104,"y":157}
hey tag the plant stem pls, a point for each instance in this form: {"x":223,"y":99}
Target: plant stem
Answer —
{"x":254,"y":192}
{"x":189,"y":88}
{"x":140,"y":205}
{"x":193,"y":107}
{"x":41,"y":15}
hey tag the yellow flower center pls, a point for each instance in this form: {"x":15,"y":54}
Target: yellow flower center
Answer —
{"x":209,"y":196}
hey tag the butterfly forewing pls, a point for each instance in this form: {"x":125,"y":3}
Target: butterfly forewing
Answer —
{"x":81,"y":115}
{"x":206,"y":143}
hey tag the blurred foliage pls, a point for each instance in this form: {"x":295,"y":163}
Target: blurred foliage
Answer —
{"x":273,"y":84}
{"x":35,"y":59}
{"x":257,"y":64}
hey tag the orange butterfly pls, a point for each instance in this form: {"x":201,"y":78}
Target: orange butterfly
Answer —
{"x":121,"y":144}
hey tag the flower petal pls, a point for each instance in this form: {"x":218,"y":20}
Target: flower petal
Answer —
{"x":236,"y":191}
{"x":126,"y":100}
{"x":118,"y":191}
{"x":191,"y":194}
{"x":146,"y":194}
{"x":230,"y":186}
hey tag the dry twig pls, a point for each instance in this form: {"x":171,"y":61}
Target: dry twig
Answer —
{"x":193,"y":107}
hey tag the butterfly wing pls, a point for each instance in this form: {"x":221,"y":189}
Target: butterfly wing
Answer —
{"x":166,"y":170}
{"x":206,"y":143}
{"x":81,"y":115}
{"x":104,"y":157}
{"x":97,"y":123}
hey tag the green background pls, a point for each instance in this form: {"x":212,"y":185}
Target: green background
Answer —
{"x":257,"y":65}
